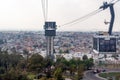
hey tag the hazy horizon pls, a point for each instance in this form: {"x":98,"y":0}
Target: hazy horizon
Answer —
{"x":26,"y":15}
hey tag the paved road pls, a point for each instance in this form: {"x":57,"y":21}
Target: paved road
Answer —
{"x":89,"y":75}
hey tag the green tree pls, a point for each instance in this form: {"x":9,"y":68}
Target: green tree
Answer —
{"x":26,"y":52}
{"x":85,"y":57}
{"x":9,"y":60}
{"x":14,"y":74}
{"x":80,"y":71}
{"x":62,"y":62}
{"x":2,"y":70}
{"x":88,"y":63}
{"x":43,"y":78}
{"x":60,"y":51}
{"x":35,"y":63}
{"x":21,"y":65}
{"x":58,"y":74}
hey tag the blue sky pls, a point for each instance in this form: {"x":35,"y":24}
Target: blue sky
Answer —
{"x":27,"y":15}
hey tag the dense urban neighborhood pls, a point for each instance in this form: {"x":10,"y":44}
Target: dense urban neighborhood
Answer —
{"x":35,"y":42}
{"x":23,"y":56}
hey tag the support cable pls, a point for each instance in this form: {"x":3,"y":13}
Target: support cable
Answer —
{"x":111,"y":1}
{"x":44,"y":4}
{"x":83,"y":18}
{"x":46,"y":10}
{"x":88,"y":15}
{"x":116,"y":1}
{"x":43,"y":8}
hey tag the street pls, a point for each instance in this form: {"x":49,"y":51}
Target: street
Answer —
{"x":89,"y":75}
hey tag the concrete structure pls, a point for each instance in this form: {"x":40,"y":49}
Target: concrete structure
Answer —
{"x":50,"y":33}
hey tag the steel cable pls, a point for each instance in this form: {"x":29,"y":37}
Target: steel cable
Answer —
{"x":83,"y":18}
{"x":44,"y":4}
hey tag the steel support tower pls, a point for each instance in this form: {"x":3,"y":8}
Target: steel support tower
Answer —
{"x":50,"y":33}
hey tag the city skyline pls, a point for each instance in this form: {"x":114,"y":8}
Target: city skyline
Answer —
{"x":22,"y":15}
